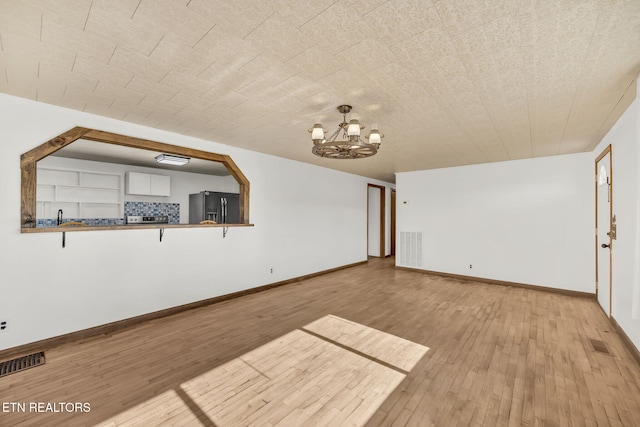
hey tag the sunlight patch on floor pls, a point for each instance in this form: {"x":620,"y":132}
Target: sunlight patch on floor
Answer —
{"x":330,"y":372}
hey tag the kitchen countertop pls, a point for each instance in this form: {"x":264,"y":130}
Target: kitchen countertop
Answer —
{"x":58,"y":229}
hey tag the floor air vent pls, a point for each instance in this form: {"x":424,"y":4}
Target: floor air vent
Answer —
{"x":21,"y":363}
{"x":599,"y":346}
{"x":410,"y":249}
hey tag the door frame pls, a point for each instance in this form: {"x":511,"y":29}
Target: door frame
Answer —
{"x":382,"y":217}
{"x":392,"y":216}
{"x":607,"y":150}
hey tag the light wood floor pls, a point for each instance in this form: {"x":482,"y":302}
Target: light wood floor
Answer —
{"x":498,"y":355}
{"x":331,"y":372}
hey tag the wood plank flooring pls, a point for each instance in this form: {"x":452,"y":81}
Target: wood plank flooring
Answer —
{"x":301,"y":378}
{"x":498,"y":356}
{"x":297,"y":379}
{"x":385,"y":348}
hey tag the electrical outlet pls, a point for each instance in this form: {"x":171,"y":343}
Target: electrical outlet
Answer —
{"x":272,"y":271}
{"x":4,"y":325}
{"x":470,"y":265}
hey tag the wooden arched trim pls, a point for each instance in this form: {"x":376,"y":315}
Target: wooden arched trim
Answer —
{"x":28,"y":166}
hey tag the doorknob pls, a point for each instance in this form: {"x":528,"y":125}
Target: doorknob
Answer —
{"x":604,"y":245}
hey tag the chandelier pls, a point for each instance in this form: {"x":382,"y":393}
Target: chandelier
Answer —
{"x":345,"y":142}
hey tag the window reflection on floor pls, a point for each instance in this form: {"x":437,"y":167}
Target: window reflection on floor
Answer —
{"x":330,"y":372}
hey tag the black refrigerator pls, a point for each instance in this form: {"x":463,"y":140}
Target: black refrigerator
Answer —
{"x":223,"y":208}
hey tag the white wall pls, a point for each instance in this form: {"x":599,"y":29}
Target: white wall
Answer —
{"x":105,"y":276}
{"x":525,"y":221}
{"x":624,"y":138}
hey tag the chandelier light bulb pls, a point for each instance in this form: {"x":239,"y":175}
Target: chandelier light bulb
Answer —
{"x":317,"y":133}
{"x":354,"y":127}
{"x":374,"y":137}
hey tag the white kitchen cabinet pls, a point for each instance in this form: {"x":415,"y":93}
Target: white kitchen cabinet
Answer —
{"x":138,"y":183}
{"x":148,"y":184}
{"x":160,"y":185}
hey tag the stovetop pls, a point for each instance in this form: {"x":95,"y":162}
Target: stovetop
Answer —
{"x":148,"y":219}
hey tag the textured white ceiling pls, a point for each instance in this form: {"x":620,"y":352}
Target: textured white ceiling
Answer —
{"x":449,"y":82}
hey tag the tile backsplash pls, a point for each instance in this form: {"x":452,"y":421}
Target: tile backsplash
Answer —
{"x":53,"y":222}
{"x":172,"y":210}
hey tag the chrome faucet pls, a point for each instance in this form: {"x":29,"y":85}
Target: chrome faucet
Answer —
{"x":59,"y":216}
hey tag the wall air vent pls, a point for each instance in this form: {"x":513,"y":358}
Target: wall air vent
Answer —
{"x":21,"y":363}
{"x":410,"y":249}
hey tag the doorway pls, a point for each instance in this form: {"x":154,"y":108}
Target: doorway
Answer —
{"x":605,"y":232}
{"x":393,"y":222}
{"x":375,"y":220}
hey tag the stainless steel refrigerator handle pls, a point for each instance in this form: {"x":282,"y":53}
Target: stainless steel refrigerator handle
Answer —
{"x":224,"y":210}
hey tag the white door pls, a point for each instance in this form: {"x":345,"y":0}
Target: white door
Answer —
{"x":603,"y":238}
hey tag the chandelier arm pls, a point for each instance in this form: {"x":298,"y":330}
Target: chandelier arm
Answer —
{"x":344,"y":125}
{"x":334,"y":135}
